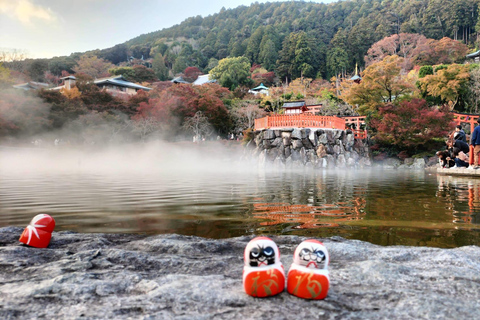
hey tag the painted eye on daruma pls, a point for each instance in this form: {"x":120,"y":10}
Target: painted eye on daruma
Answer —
{"x":268,"y":251}
{"x":304,"y":252}
{"x":255,"y":253}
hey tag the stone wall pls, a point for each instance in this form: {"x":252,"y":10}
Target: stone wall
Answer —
{"x":317,"y":148}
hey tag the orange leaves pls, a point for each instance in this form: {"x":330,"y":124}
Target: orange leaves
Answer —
{"x":382,"y":82}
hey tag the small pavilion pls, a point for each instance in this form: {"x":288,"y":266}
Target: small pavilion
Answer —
{"x":262,"y":89}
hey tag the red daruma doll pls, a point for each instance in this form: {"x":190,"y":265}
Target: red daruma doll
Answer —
{"x":308,"y":275}
{"x":39,"y":232}
{"x":263,"y":274}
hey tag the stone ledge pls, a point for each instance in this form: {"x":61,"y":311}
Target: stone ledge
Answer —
{"x":111,"y":276}
{"x":459,"y":172}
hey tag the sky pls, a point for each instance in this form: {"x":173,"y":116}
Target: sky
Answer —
{"x":48,"y":28}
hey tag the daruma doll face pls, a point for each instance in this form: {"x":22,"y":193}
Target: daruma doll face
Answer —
{"x":261,"y":251}
{"x":311,"y":254}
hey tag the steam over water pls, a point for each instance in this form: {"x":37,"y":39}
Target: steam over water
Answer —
{"x":205,"y":191}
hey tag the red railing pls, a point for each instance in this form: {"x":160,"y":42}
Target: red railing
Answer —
{"x":311,"y":121}
{"x":357,"y":122}
{"x":299,"y":121}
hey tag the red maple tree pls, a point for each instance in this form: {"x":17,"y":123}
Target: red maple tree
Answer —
{"x":411,"y":124}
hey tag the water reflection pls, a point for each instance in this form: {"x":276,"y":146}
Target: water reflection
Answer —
{"x":382,"y":207}
{"x":308,"y":216}
{"x":462,"y":198}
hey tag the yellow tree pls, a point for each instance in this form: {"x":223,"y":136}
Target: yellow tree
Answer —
{"x":72,"y":93}
{"x":382,"y":82}
{"x":449,"y":84}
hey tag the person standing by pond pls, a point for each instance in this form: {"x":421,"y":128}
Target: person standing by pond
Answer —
{"x":475,"y":142}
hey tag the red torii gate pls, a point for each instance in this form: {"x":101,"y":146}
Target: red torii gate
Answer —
{"x":460,"y":118}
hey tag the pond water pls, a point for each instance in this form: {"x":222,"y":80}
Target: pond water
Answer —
{"x":385,"y":207}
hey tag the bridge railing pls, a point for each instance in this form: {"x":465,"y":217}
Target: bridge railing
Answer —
{"x":312,"y":121}
{"x":299,"y":121}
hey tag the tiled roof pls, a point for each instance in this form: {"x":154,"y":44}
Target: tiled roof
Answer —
{"x":31,"y":85}
{"x":294,"y":104}
{"x":473,"y":55}
{"x":204,"y":78}
{"x":179,"y":80}
{"x":121,"y":82}
{"x":260,"y":87}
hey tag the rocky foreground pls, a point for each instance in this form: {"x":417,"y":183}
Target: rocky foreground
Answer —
{"x":91,"y":276}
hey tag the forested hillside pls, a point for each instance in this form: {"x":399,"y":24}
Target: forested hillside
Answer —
{"x":409,"y":55}
{"x":290,"y":37}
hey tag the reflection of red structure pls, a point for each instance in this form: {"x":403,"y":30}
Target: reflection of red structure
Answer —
{"x":469,"y":195}
{"x":309,"y":217}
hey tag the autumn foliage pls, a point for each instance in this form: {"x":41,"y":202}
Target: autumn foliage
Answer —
{"x":382,"y":82}
{"x":22,"y":113}
{"x":416,"y":49}
{"x":449,"y":83}
{"x":410,"y":124}
{"x":174,"y":104}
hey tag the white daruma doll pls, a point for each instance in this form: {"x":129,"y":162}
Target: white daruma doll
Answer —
{"x":263,"y":273}
{"x":308,"y":275}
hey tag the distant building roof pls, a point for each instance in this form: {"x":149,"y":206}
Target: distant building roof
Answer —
{"x":473,"y":55}
{"x":120,"y":81}
{"x":31,"y":85}
{"x":179,"y":80}
{"x":69,"y":78}
{"x":204,"y":78}
{"x":294,"y":104}
{"x":260,"y":87}
{"x":356,"y":77}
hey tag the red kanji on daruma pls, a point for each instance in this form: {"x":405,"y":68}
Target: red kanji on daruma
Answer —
{"x":39,"y":231}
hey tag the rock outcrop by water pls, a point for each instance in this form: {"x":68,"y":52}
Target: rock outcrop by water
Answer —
{"x":316,"y":148}
{"x":109,"y":276}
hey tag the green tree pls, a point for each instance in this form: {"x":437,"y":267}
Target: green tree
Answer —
{"x":268,"y":55}
{"x":297,"y":56}
{"x":253,"y":46}
{"x":360,"y":38}
{"x":232,"y":72}
{"x":37,"y":68}
{"x":57,"y":65}
{"x":425,"y":71}
{"x":181,"y":63}
{"x":159,"y":67}
{"x":337,"y":54}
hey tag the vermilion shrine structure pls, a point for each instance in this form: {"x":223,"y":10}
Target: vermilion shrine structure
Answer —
{"x":471,"y":119}
{"x":305,"y":120}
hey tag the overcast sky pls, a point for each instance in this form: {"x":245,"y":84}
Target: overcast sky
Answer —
{"x":47,"y":28}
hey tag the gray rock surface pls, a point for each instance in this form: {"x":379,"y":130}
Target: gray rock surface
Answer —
{"x":108,"y":276}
